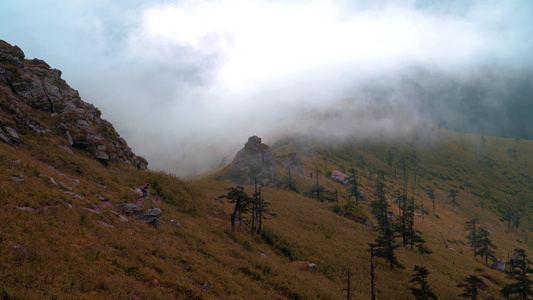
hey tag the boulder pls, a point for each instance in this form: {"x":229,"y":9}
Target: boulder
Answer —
{"x":4,"y":138}
{"x":13,"y":133}
{"x":130,"y":209}
{"x":368,"y":223}
{"x":254,"y":161}
{"x":151,"y":217}
{"x":499,"y":265}
{"x":102,"y":157}
{"x":175,"y":223}
{"x":312,"y":267}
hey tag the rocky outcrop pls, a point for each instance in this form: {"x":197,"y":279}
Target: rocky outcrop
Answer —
{"x":254,"y":161}
{"x":29,"y":85}
{"x":150,"y":217}
{"x":499,"y":265}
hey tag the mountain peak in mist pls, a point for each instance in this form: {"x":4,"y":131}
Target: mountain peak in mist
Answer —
{"x":254,"y":162}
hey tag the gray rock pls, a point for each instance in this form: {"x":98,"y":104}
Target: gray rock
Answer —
{"x":312,"y":267}
{"x":107,"y":224}
{"x":26,"y":208}
{"x":13,"y":55}
{"x":4,"y":138}
{"x":102,"y":157}
{"x":499,"y":265}
{"x":151,"y":217}
{"x":254,"y":161}
{"x":69,"y":139}
{"x":130,"y":209}
{"x":13,"y":133}
{"x":64,"y":186}
{"x":17,"y":179}
{"x":33,"y":83}
{"x":368,"y":223}
{"x":73,"y":194}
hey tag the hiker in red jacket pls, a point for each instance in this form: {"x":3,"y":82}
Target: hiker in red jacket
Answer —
{"x":145,"y":190}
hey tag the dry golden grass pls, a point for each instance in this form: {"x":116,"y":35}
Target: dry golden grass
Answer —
{"x":65,"y":250}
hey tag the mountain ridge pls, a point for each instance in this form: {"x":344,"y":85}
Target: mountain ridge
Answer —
{"x":63,"y":235}
{"x":32,"y":83}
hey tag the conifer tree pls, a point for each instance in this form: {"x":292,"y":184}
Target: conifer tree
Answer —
{"x":431,"y":194}
{"x":471,"y":286}
{"x":453,"y":195}
{"x":486,"y":246}
{"x":519,"y":271}
{"x":385,"y":243}
{"x":289,"y":182}
{"x":354,"y":187}
{"x":470,"y":226}
{"x":259,"y":211}
{"x":242,"y":201}
{"x":390,"y":159}
{"x":401,"y":222}
{"x":415,"y":160}
{"x":422,"y":292}
{"x":361,"y":163}
{"x":413,"y":235}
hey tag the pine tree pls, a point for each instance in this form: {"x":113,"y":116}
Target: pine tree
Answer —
{"x":401,"y":222}
{"x":471,"y":286}
{"x":242,"y":202}
{"x":413,"y":235}
{"x":259,"y":210}
{"x":431,"y":194}
{"x":289,"y":182}
{"x":472,"y":235}
{"x":354,"y":187}
{"x":405,"y":224}
{"x":453,"y":195}
{"x":486,"y":246}
{"x":422,"y":292}
{"x":380,"y":206}
{"x":519,"y":271}
{"x":385,"y":243}
{"x":361,"y":163}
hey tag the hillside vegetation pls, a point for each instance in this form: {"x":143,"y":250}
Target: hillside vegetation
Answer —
{"x":64,"y":172}
{"x":55,"y":244}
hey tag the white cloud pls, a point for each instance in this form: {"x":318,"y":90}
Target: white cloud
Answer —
{"x":193,"y":72}
{"x":250,"y":44}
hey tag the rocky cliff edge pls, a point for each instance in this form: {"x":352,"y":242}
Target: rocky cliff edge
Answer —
{"x":29,"y":88}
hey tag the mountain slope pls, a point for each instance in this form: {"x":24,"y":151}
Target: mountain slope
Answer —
{"x":63,"y":236}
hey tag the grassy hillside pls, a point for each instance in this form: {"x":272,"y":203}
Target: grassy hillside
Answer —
{"x":62,"y":236}
{"x":62,"y":241}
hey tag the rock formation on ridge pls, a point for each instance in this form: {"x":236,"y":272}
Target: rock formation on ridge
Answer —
{"x":29,"y":85}
{"x":254,"y":161}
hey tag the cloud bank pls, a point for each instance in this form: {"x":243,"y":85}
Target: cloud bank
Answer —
{"x":187,"y":82}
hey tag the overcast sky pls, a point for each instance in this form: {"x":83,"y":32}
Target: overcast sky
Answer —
{"x":181,"y":79}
